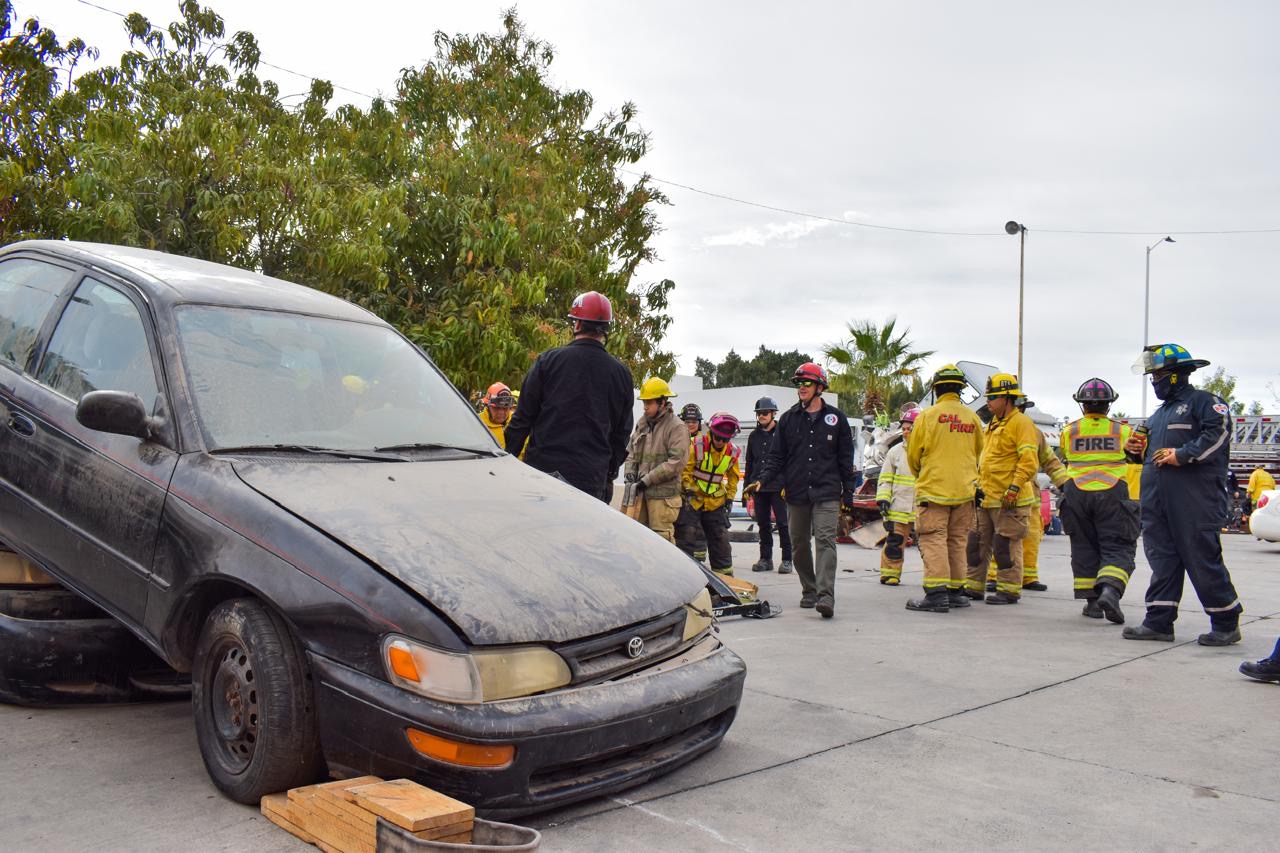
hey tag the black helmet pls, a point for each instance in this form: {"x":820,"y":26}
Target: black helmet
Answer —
{"x":1095,"y":390}
{"x":691,"y":412}
{"x":766,"y":404}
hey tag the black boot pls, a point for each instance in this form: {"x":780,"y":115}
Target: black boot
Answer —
{"x":1035,"y":586}
{"x":826,"y":605}
{"x":1219,"y":638}
{"x":808,"y":599}
{"x":973,"y":594}
{"x":764,"y":564}
{"x":1142,"y":632}
{"x":991,"y":586}
{"x":1109,"y":603}
{"x":933,"y":601}
{"x":957,"y":598}
{"x":1002,"y":598}
{"x":1091,"y":609}
{"x":1267,"y":669}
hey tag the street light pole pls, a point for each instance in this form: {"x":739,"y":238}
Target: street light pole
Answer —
{"x":1146,"y":313}
{"x":1012,"y":227}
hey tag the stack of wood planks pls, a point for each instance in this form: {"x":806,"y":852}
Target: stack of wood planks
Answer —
{"x":343,"y":816}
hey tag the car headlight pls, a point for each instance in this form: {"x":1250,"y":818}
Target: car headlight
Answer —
{"x":698,"y":615}
{"x":481,"y":675}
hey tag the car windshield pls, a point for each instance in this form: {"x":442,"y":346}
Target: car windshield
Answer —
{"x":271,"y":378}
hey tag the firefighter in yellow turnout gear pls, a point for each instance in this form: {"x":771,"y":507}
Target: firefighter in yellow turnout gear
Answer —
{"x":710,"y":482}
{"x":498,"y":402}
{"x":1099,"y":515}
{"x":1010,"y":460}
{"x":896,"y":497}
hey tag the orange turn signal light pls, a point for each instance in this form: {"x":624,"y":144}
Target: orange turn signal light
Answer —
{"x":461,"y":754}
{"x":401,"y":660}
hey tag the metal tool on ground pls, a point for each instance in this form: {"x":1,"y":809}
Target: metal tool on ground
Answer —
{"x":733,"y":597}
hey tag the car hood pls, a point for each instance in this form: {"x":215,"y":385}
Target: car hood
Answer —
{"x":509,"y":554}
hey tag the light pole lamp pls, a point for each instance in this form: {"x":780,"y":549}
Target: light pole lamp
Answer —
{"x":1146,"y":312}
{"x":1018,"y":228}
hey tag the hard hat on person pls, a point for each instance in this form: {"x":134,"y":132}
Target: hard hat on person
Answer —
{"x":592,"y":307}
{"x":1095,"y":390}
{"x":1023,"y":404}
{"x":499,"y":396}
{"x":1167,"y":357}
{"x":691,"y":412}
{"x":810,"y":372}
{"x":1003,"y":385}
{"x":948,"y":374}
{"x":766,"y":404}
{"x":653,"y":388}
{"x":724,"y":425}
{"x":909,"y":416}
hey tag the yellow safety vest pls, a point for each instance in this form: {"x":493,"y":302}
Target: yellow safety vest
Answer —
{"x":1094,"y":448}
{"x":708,"y":475}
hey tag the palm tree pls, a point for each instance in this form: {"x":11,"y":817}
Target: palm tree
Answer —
{"x":871,"y":362}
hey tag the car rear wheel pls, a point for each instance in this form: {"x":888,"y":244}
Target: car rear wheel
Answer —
{"x":252,"y":697}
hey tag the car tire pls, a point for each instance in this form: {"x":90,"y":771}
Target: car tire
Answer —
{"x":253,"y":702}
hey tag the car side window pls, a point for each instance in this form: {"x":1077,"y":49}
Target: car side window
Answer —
{"x":28,"y":289}
{"x":99,"y":344}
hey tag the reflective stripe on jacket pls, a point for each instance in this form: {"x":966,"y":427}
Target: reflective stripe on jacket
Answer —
{"x":1010,"y":456}
{"x":712,"y":475}
{"x":1094,"y":447}
{"x":1050,"y":463}
{"x":897,"y":485}
{"x":943,"y":452}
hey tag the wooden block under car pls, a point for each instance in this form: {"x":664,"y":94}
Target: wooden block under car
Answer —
{"x":277,"y":809}
{"x":328,"y":829}
{"x":410,"y":805}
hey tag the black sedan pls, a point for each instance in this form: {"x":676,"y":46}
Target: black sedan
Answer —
{"x":278,"y":493}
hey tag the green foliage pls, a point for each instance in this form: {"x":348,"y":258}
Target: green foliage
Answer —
{"x":1224,"y":385}
{"x":468,"y":211}
{"x":872,"y":367}
{"x":765,"y":368}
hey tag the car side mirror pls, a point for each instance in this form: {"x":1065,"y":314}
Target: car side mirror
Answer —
{"x":118,"y":412}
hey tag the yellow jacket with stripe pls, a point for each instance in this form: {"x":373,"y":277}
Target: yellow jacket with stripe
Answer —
{"x":717,"y":480}
{"x":1050,"y":463}
{"x":943,"y":452}
{"x":1010,"y":456}
{"x":1094,"y":447}
{"x":897,"y":485}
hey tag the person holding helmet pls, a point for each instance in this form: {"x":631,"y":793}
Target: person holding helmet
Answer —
{"x":710,"y":481}
{"x":811,"y":458}
{"x":1184,"y":498}
{"x":575,"y":406}
{"x":1101,"y":520}
{"x":689,"y":535}
{"x":498,"y":402}
{"x":896,"y":497}
{"x":942,"y":453}
{"x":655,"y":458}
{"x":769,"y":505}
{"x":1006,"y":471}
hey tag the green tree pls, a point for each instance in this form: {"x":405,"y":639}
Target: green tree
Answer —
{"x":766,"y":367}
{"x":871,"y":363}
{"x":1224,"y":385}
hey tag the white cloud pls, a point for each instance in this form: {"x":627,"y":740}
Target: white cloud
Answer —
{"x":774,"y":232}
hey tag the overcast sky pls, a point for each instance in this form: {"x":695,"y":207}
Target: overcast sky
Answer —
{"x":1152,"y":117}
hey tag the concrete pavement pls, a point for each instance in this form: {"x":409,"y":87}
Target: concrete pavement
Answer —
{"x":1026,"y":727}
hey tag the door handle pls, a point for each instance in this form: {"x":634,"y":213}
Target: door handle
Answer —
{"x":21,"y":424}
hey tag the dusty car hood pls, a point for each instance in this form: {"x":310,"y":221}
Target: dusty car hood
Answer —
{"x":509,"y":554}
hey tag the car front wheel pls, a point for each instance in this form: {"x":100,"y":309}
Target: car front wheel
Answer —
{"x":255,"y":718}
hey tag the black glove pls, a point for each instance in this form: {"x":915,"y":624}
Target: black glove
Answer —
{"x":884,"y":507}
{"x":640,"y":486}
{"x":978,"y":495}
{"x":608,"y":491}
{"x":847,"y":498}
{"x":631,"y":477}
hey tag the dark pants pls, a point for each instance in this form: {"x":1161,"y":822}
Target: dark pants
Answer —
{"x":689,"y":535}
{"x":815,"y":528}
{"x":1103,"y":528}
{"x":1180,"y":534}
{"x":767,"y":504}
{"x":714,"y":526}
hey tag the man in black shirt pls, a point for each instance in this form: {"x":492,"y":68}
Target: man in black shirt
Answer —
{"x":575,"y":405}
{"x":769,"y":505}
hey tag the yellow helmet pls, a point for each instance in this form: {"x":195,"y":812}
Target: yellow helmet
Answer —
{"x":653,"y":388}
{"x":1003,"y":385}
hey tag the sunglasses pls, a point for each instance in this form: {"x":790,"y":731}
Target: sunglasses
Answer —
{"x":806,"y":383}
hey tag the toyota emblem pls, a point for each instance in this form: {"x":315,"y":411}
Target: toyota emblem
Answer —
{"x":635,"y":647}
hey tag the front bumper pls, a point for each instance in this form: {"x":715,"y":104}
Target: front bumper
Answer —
{"x":569,"y":745}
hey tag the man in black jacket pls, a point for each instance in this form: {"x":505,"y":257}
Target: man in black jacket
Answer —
{"x":575,"y":405}
{"x":813,"y":454}
{"x":769,"y":506}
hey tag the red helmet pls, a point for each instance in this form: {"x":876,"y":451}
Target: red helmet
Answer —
{"x":724,"y":425}
{"x":499,"y":396}
{"x":811,"y":372}
{"x":592,"y":307}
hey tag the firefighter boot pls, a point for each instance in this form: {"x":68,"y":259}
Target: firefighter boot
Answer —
{"x":933,"y":601}
{"x":1036,"y":586}
{"x":826,"y":605}
{"x":1267,"y":669}
{"x":1002,"y":598}
{"x":1091,"y":609}
{"x":1109,"y":603}
{"x":1219,"y":638}
{"x":764,"y":564}
{"x":957,"y":598}
{"x":786,"y":568}
{"x":1142,"y":632}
